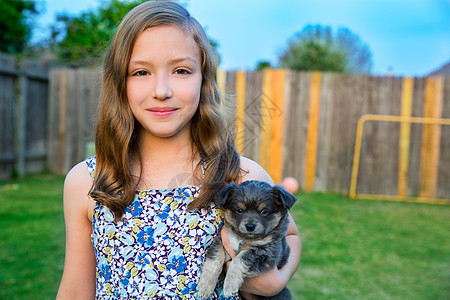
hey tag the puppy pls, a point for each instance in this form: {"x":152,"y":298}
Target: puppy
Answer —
{"x":256,"y":220}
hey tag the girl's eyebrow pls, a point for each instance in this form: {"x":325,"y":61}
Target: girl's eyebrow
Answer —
{"x":182,"y":59}
{"x":171,"y":61}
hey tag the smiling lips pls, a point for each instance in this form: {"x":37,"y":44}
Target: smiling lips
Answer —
{"x":162,"y":111}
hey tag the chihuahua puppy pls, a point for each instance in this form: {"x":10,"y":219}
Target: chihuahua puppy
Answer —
{"x":256,"y":220}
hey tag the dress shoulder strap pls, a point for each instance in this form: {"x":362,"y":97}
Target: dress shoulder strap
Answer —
{"x":90,"y":163}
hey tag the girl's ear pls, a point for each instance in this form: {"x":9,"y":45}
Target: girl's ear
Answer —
{"x":226,"y":193}
{"x":283,"y":197}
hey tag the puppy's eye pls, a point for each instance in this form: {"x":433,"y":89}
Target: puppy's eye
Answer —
{"x":239,"y":210}
{"x":264,"y":212}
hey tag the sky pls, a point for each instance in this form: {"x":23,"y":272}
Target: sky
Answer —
{"x":406,"y":37}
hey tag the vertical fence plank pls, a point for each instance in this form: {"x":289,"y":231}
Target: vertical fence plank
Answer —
{"x":287,"y":106}
{"x":390,"y":134}
{"x":62,"y":119}
{"x":291,"y":126}
{"x":301,"y":128}
{"x":405,"y":137}
{"x":252,"y":115}
{"x":431,"y":135}
{"x":324,"y":132}
{"x":313,"y":129}
{"x":240,"y":111}
{"x":71,"y":146}
{"x":21,"y":119}
{"x":276,"y":128}
{"x":416,"y":137}
{"x":264,"y":149}
{"x":53,"y":121}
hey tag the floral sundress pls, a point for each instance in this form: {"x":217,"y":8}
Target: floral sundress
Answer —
{"x":156,"y":250}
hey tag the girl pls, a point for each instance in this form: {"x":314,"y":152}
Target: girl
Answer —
{"x":139,"y":215}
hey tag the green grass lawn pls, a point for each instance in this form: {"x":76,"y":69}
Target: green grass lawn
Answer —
{"x":351,"y":250}
{"x":31,"y":238}
{"x":371,"y":250}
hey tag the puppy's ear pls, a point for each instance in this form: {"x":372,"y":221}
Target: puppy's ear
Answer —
{"x":222,"y":197}
{"x":283,"y":197}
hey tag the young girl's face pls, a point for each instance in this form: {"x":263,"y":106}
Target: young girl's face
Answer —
{"x":164,"y":81}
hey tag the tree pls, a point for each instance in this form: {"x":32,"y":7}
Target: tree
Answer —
{"x":83,"y":40}
{"x":318,"y":48}
{"x":15,"y":25}
{"x":262,"y":64}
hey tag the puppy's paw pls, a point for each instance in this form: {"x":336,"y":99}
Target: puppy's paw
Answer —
{"x":230,"y":287}
{"x":203,"y":294}
{"x":205,"y":287}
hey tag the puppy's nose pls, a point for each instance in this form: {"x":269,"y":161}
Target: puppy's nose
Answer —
{"x":250,"y":226}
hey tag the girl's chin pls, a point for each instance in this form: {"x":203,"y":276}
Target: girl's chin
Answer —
{"x":166,"y":133}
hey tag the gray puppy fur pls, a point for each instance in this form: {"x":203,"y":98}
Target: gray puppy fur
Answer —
{"x":256,"y":220}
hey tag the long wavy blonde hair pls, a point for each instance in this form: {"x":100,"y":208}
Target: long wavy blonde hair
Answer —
{"x":115,"y":140}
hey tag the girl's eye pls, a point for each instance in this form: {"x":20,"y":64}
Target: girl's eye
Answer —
{"x":182,"y":72}
{"x":264,"y":212}
{"x":141,"y":73}
{"x":239,"y":211}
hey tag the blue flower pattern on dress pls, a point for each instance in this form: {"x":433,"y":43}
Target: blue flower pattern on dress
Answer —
{"x":156,"y":250}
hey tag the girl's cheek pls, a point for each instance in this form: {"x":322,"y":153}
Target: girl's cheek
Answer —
{"x":192,"y":87}
{"x":136,"y":90}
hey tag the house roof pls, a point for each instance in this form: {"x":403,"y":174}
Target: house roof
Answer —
{"x":442,"y":71}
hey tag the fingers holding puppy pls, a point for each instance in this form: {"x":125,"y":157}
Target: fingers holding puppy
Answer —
{"x":226,"y":243}
{"x":228,"y":248}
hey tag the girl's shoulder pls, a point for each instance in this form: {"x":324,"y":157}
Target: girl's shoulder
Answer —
{"x":77,"y":185}
{"x":83,"y":172}
{"x":251,"y":170}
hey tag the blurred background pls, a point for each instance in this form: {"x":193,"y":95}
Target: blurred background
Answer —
{"x":407,"y":38}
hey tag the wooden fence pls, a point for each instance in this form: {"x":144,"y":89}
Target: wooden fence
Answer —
{"x":298,"y":124}
{"x":293,"y":123}
{"x":23,"y":116}
{"x":74,"y":94}
{"x":313,"y":117}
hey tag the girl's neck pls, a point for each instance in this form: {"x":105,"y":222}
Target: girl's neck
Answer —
{"x":164,"y":159}
{"x":153,"y":148}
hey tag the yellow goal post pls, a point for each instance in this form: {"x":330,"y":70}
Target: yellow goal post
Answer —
{"x":357,"y":153}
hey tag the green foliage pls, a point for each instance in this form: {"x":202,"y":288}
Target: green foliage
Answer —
{"x":262,"y":64}
{"x":85,"y":38}
{"x":318,"y":48}
{"x":15,"y":25}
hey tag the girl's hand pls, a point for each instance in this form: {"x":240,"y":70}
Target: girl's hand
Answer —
{"x":226,"y":244}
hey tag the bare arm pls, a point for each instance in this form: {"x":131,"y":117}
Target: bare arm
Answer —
{"x":78,"y":280}
{"x":272,"y":282}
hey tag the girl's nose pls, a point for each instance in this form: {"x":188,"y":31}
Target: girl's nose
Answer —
{"x":162,"y":90}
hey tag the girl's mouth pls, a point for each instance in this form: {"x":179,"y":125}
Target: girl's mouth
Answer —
{"x":162,"y":111}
